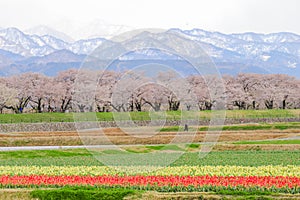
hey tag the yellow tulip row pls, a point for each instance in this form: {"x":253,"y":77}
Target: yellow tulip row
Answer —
{"x":290,"y":170}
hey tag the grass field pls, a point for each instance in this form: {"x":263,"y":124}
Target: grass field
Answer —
{"x":28,"y":194}
{"x":270,"y":142}
{"x":170,"y":115}
{"x":241,"y":127}
{"x":81,"y":157}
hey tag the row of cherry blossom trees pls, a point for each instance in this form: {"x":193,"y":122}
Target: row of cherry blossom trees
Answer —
{"x":85,"y":91}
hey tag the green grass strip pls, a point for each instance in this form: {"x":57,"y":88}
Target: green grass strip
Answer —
{"x":83,"y":193}
{"x":269,"y":142}
{"x":169,"y":115}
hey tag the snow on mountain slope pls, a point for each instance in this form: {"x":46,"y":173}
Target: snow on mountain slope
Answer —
{"x":277,"y":50}
{"x":85,"y":46}
{"x":42,"y":30}
{"x":96,"y":28}
{"x":54,"y":42}
{"x":248,"y":44}
{"x":268,"y":38}
{"x":15,"y":41}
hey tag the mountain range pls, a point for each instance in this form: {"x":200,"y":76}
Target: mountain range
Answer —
{"x":49,"y":51}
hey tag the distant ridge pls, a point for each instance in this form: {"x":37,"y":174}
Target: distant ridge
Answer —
{"x":232,"y":53}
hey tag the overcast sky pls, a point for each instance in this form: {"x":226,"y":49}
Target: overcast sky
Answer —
{"x":220,"y":15}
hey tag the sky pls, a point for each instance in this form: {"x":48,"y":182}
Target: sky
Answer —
{"x":228,"y":16}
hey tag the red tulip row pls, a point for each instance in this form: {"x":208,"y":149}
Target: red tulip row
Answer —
{"x":159,"y":181}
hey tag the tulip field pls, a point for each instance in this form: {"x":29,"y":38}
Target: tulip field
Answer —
{"x":221,"y":179}
{"x":160,"y":183}
{"x":268,"y":168}
{"x":183,"y":178}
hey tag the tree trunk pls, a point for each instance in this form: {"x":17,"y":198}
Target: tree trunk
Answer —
{"x":188,"y":107}
{"x":173,"y":105}
{"x":64,"y":105}
{"x":81,"y":107}
{"x":254,"y":105}
{"x":157,"y":106}
{"x":39,"y":105}
{"x":240,"y":104}
{"x":138,"y":106}
{"x":117,"y":108}
{"x":208,"y":105}
{"x":269,"y":104}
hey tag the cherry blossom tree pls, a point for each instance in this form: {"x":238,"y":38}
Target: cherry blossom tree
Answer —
{"x":275,"y":90}
{"x":21,"y":84}
{"x":206,"y":90}
{"x":104,"y":91}
{"x":172,"y":82}
{"x":7,"y":95}
{"x":64,"y":84}
{"x":84,"y":91}
{"x":126,"y":95}
{"x":134,"y":91}
{"x":153,"y":96}
{"x":38,"y":85}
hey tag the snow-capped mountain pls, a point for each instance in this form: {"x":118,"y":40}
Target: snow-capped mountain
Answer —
{"x":54,"y":42}
{"x":89,"y":30}
{"x":99,"y":28}
{"x":231,"y":53}
{"x":248,"y":44}
{"x":268,"y":38}
{"x":15,"y":41}
{"x":42,"y":30}
{"x":277,"y":52}
{"x":85,"y":46}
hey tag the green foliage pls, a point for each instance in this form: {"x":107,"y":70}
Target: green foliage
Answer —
{"x":139,"y":151}
{"x":242,"y":192}
{"x":36,"y":117}
{"x":43,"y":153}
{"x":119,"y":192}
{"x":57,"y":161}
{"x":169,"y":129}
{"x":193,"y":146}
{"x":287,"y":126}
{"x":83,"y":193}
{"x":227,"y":190}
{"x":170,"y":115}
{"x":240,"y":127}
{"x":164,"y":147}
{"x":74,"y":158}
{"x":269,"y":142}
{"x":247,"y":127}
{"x":240,"y":158}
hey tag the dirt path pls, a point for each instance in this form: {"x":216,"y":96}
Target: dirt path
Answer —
{"x":118,"y":137}
{"x":114,"y":136}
